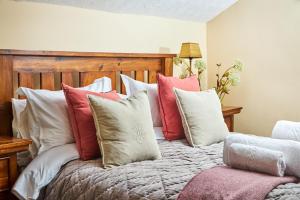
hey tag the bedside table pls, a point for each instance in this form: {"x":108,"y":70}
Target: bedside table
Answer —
{"x":9,"y":147}
{"x":228,"y":114}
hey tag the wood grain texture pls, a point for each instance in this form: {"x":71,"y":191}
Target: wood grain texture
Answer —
{"x":8,"y":160}
{"x":152,"y":76}
{"x":4,"y":173}
{"x":84,"y":54}
{"x":231,"y":110}
{"x":69,"y":64}
{"x":12,"y":145}
{"x":139,"y":75}
{"x":168,"y":66}
{"x":228,"y":114}
{"x":26,"y":80}
{"x":6,"y":93}
{"x":47,"y":81}
{"x":67,"y":78}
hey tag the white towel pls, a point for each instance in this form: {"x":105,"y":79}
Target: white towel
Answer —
{"x":286,"y":130}
{"x":257,"y":159}
{"x":289,"y":148}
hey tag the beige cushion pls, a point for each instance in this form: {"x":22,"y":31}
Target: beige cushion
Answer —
{"x":124,"y":129}
{"x":202,"y":117}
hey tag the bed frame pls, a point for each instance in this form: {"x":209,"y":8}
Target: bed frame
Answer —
{"x":47,"y":69}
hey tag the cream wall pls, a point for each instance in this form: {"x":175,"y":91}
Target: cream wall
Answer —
{"x":36,"y":26}
{"x":265,"y":35}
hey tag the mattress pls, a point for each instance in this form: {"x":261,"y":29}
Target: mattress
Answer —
{"x":159,"y":179}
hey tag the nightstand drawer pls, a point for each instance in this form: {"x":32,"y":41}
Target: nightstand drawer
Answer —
{"x":4,"y":173}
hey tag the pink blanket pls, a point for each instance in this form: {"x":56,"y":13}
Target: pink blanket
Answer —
{"x":224,"y":183}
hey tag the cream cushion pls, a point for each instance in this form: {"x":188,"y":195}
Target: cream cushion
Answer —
{"x":202,"y":117}
{"x":124,"y":129}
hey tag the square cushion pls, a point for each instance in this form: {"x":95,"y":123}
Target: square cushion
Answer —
{"x":172,"y":124}
{"x":124,"y":129}
{"x":82,"y":121}
{"x":202,"y":117}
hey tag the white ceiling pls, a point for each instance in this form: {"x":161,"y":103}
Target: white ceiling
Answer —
{"x":195,"y":10}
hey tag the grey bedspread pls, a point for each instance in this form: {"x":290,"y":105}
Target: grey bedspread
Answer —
{"x":159,"y":179}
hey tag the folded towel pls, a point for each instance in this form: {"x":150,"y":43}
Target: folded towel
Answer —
{"x":286,"y":130}
{"x":254,"y":158}
{"x":223,"y":183}
{"x":289,"y":148}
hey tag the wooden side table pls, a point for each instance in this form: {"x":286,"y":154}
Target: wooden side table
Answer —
{"x":9,"y":147}
{"x":228,"y":113}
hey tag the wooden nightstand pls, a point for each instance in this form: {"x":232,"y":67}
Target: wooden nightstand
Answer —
{"x":9,"y":147}
{"x":228,"y":113}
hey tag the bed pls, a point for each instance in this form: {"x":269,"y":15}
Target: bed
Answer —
{"x":159,"y":179}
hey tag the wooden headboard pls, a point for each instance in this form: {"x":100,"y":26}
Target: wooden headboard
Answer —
{"x":47,"y":69}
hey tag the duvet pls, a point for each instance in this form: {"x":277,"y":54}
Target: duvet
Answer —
{"x":159,"y":179}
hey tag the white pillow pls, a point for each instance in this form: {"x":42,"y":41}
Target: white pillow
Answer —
{"x":202,"y":117}
{"x":122,"y":96}
{"x":18,"y":105}
{"x":42,"y":170}
{"x":45,"y":118}
{"x":132,"y":86}
{"x":159,"y":133}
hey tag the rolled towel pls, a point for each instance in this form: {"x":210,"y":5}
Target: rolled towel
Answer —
{"x":289,"y":148}
{"x":286,"y":130}
{"x":257,"y":159}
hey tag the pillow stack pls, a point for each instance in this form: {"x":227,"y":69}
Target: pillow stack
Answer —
{"x":121,"y":130}
{"x":45,"y":118}
{"x":185,"y":112}
{"x":82,"y":121}
{"x":172,"y":125}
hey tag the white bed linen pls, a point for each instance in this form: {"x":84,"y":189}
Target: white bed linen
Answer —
{"x":42,"y":170}
{"x":18,"y":105}
{"x":289,"y":148}
{"x":45,"y":119}
{"x":45,"y":167}
{"x":253,"y":158}
{"x":159,"y":133}
{"x":133,"y":86}
{"x":286,"y":130}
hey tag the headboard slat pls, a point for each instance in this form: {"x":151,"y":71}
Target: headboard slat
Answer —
{"x":47,"y":81}
{"x":47,"y":69}
{"x":67,"y":78}
{"x":139,"y":75}
{"x":152,"y":76}
{"x":26,"y":80}
{"x":87,"y":78}
{"x":127,"y":73}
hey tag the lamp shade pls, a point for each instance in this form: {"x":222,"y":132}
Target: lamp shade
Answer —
{"x":190,"y":50}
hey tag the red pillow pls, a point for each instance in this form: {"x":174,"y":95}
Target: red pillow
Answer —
{"x":172,"y":124}
{"x":82,"y":121}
